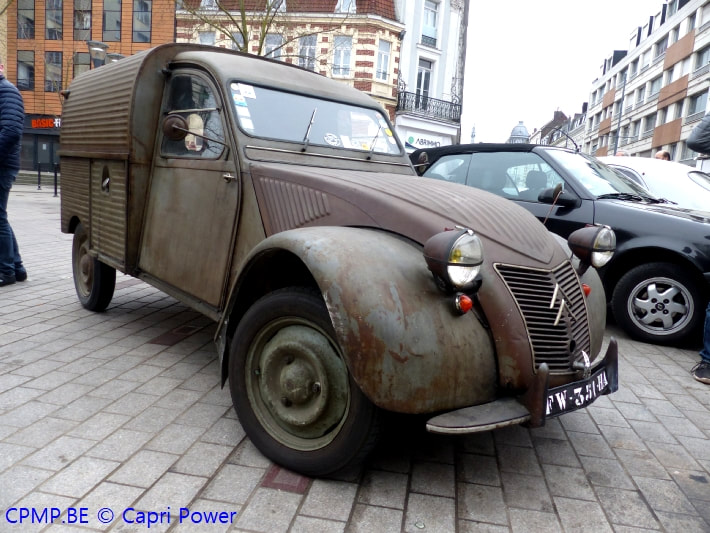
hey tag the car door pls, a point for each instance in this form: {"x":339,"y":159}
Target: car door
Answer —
{"x":194,"y":194}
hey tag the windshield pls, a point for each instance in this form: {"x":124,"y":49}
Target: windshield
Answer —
{"x":284,"y":116}
{"x":595,"y":176}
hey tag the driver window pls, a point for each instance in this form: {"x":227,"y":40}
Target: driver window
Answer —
{"x":191,"y":97}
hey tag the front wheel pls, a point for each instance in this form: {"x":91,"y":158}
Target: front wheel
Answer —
{"x":658,"y":303}
{"x":291,"y":388}
{"x":94,"y":281}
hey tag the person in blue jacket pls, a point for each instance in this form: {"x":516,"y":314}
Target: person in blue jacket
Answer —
{"x":12,"y":120}
{"x":699,"y":141}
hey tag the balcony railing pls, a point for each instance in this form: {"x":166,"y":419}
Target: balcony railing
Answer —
{"x":431,"y":107}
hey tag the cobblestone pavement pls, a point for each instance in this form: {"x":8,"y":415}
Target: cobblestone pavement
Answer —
{"x":121,"y":413}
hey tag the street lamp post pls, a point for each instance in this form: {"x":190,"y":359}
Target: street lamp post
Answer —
{"x":97,"y":52}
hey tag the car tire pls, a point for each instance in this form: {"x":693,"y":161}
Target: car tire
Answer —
{"x":292,"y":390}
{"x":658,"y":303}
{"x":94,"y":281}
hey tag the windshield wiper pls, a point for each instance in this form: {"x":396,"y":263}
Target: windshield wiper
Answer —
{"x":308,"y":129}
{"x":622,"y":196}
{"x":372,"y":144}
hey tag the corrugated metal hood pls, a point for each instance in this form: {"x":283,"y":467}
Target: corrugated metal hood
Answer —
{"x":292,"y":196}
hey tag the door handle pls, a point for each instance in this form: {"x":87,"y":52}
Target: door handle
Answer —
{"x":228,"y":177}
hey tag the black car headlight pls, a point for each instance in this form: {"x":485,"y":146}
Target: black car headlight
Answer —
{"x":454,"y":258}
{"x":593,"y":245}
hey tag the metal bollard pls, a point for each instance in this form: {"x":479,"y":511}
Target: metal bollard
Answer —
{"x":39,"y":176}
{"x":56,"y":170}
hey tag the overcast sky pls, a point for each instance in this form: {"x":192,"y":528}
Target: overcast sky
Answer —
{"x":527,"y":58}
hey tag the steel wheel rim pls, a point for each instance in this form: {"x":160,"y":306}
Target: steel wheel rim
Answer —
{"x":84,"y":274}
{"x":660,"y":306}
{"x":297,"y":383}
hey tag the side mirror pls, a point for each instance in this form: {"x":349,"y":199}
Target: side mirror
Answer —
{"x":564,"y":198}
{"x":422,"y":163}
{"x":175,"y":127}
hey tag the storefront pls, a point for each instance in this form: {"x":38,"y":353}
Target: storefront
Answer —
{"x":40,"y":142}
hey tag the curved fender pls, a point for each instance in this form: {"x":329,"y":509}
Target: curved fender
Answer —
{"x":404,"y":344}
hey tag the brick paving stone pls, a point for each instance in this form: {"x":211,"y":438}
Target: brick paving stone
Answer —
{"x":270,"y":511}
{"x":664,"y":495}
{"x":626,"y":508}
{"x":386,"y":489}
{"x":202,"y":459}
{"x":568,"y":482}
{"x":329,"y":499}
{"x":582,"y":516}
{"x":79,"y":477}
{"x":478,"y":469}
{"x":94,"y":413}
{"x":481,"y":503}
{"x":433,"y":514}
{"x":234,"y":483}
{"x":368,"y":518}
{"x":526,"y":491}
{"x":435,"y":479}
{"x":58,"y":454}
{"x":144,"y":468}
{"x":523,"y":521}
{"x":307,"y":524}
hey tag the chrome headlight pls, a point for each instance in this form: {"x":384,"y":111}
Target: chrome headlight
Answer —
{"x":593,"y":245}
{"x":454,"y":258}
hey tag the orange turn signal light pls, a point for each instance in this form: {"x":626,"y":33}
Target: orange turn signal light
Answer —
{"x":587,"y":289}
{"x":463,"y":303}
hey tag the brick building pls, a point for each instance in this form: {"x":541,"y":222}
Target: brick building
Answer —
{"x":356,"y":42}
{"x":47,"y":48}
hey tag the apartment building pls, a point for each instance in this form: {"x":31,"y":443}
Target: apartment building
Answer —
{"x":354,"y":41}
{"x":649,"y":97}
{"x":47,"y":47}
{"x":430,"y":82}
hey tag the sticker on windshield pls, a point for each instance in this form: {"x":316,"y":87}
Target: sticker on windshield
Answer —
{"x":239,"y":100}
{"x":247,"y":124}
{"x":332,"y":139}
{"x":388,"y":132}
{"x":243,"y":111}
{"x":247,"y":90}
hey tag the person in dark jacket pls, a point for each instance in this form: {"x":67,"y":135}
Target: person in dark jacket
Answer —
{"x":12,"y":120}
{"x":699,"y":141}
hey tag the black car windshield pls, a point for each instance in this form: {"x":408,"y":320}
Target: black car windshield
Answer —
{"x":284,"y":116}
{"x":596,"y":177}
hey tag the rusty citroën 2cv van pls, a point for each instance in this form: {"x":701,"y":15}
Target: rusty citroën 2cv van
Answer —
{"x":280,"y":204}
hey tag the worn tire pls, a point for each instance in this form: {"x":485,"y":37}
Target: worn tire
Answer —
{"x":291,"y":388}
{"x":658,"y":303}
{"x":94,"y":281}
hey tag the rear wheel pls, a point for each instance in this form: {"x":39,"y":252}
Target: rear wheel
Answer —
{"x":658,"y":303}
{"x":291,"y":388}
{"x":94,"y":281}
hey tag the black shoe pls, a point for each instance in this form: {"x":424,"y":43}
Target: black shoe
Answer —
{"x":20,"y":275}
{"x":701,"y":372}
{"x":6,"y":280}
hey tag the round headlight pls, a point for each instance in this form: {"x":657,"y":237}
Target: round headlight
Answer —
{"x":594,"y":245}
{"x":454,"y":257}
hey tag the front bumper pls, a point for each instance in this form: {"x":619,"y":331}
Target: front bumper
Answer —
{"x":537,"y":404}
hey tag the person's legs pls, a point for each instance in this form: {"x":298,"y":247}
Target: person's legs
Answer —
{"x":7,"y":249}
{"x":20,"y":272}
{"x":701,"y":371}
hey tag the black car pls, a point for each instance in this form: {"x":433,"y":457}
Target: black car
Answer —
{"x":656,"y":283}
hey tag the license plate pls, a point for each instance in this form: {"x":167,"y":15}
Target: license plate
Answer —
{"x":578,"y":394}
